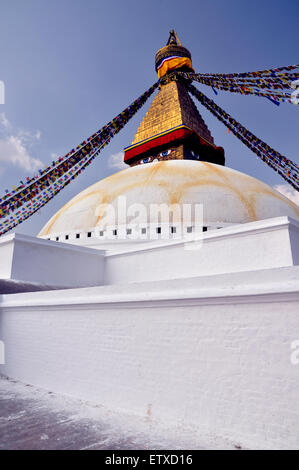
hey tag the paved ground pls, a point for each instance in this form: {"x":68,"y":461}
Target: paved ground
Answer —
{"x":31,"y":418}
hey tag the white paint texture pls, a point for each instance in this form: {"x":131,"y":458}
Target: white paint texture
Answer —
{"x":180,"y":338}
{"x":271,"y":243}
{"x":212,"y":352}
{"x":257,"y":245}
{"x":31,"y":259}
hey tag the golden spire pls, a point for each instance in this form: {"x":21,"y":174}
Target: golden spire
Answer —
{"x":172,"y":129}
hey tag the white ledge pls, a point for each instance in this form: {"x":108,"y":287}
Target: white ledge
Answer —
{"x":17,"y":237}
{"x":264,"y":285}
{"x":231,"y":231}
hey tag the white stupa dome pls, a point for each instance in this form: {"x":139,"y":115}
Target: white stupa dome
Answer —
{"x":228,"y":196}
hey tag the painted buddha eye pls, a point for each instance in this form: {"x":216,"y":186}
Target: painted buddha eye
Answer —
{"x":194,"y":155}
{"x":165,"y":153}
{"x":145,"y":160}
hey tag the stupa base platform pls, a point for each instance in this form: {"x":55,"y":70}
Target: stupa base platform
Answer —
{"x":205,"y":352}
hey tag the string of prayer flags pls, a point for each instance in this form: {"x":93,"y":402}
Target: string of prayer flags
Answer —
{"x":281,"y":164}
{"x":40,"y":189}
{"x":275,"y":84}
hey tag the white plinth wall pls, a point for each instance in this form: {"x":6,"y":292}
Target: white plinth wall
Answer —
{"x":209,"y":351}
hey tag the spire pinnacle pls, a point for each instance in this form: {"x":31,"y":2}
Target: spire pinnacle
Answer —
{"x":173,"y":56}
{"x":173,"y":38}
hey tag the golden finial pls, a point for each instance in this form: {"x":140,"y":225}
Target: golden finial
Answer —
{"x":173,"y":56}
{"x":173,"y":38}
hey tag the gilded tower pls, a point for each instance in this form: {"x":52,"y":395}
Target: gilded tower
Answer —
{"x":173,"y":129}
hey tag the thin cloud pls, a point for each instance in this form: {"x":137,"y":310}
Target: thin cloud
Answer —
{"x":4,"y":122}
{"x":116,"y":161}
{"x":14,"y":152}
{"x":15,"y":147}
{"x":289,"y":192}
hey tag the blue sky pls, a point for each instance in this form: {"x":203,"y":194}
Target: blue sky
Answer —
{"x":69,"y":66}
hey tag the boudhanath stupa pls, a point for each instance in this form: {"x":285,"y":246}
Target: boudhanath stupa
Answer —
{"x":169,"y":290}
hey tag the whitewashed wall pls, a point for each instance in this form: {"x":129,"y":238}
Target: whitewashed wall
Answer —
{"x":244,"y":247}
{"x":211,"y":352}
{"x":270,"y":243}
{"x":30,"y":259}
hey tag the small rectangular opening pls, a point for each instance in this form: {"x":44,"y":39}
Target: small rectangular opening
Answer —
{"x":205,"y":229}
{"x":89,"y":234}
{"x":158,"y":229}
{"x":115,"y":232}
{"x":173,"y":229}
{"x":66,"y":237}
{"x":189,"y":229}
{"x":77,"y":235}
